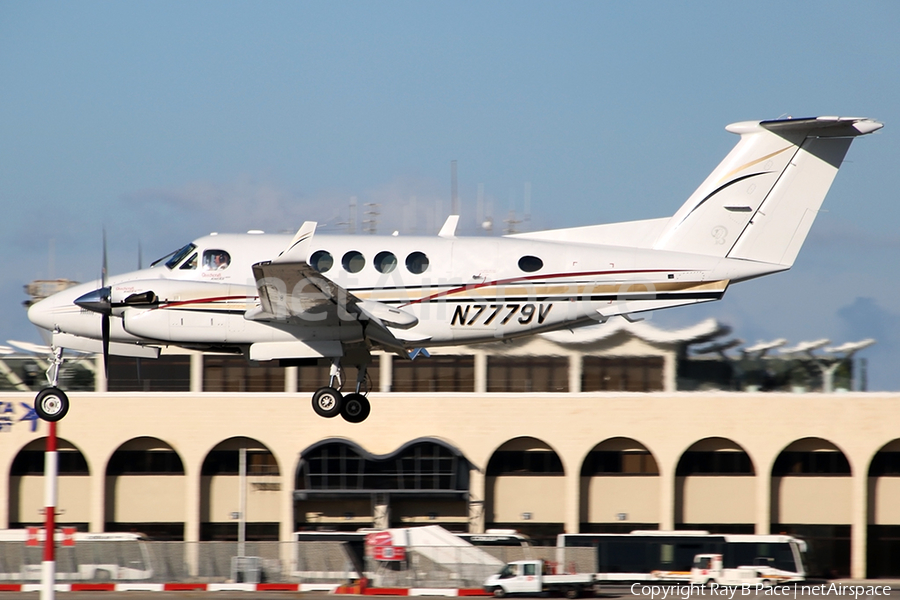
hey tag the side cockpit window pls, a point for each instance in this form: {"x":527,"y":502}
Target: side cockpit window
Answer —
{"x":216,"y":260}
{"x":177,"y":256}
{"x":190,"y":263}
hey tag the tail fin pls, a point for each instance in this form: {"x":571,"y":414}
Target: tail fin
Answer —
{"x":760,"y":202}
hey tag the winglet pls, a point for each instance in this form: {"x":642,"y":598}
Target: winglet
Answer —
{"x":449,"y":228}
{"x":298,"y":249}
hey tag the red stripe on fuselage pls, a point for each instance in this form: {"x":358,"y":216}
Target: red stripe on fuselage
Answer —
{"x":532,"y":278}
{"x":208,"y":300}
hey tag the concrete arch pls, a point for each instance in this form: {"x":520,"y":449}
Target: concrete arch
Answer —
{"x":221,"y":495}
{"x":715,"y":445}
{"x":520,"y":475}
{"x":525,"y":443}
{"x":621,"y":444}
{"x":805,"y":471}
{"x":619,"y":487}
{"x":813,"y":445}
{"x":144,"y":443}
{"x":141,"y":467}
{"x":708,"y":471}
{"x":883,"y":511}
{"x":26,"y":485}
{"x":340,"y":483}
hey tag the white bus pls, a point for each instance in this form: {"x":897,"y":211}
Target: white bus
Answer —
{"x":669,"y":555}
{"x":79,"y":556}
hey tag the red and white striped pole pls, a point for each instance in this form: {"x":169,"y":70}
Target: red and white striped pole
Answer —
{"x":48,"y":566}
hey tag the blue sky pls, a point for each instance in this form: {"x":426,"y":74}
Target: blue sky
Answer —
{"x":164,"y":121}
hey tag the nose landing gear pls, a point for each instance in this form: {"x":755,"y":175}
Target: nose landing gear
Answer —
{"x":51,"y":404}
{"x":328,"y":401}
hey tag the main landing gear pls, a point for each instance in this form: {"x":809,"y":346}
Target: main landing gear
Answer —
{"x":328,"y":401}
{"x":51,"y":403}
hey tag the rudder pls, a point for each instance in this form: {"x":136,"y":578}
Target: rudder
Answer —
{"x":760,"y":202}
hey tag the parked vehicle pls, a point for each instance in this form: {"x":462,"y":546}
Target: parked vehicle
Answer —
{"x":535,"y":577}
{"x":668,"y":555}
{"x":79,"y":556}
{"x":708,"y":569}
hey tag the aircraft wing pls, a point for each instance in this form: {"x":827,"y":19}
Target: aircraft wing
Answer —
{"x":293,"y":292}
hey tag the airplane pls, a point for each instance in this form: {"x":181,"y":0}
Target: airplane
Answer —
{"x":315,"y":297}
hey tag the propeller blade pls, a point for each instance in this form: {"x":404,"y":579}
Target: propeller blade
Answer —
{"x":104,"y":330}
{"x":104,"y":271}
{"x":140,"y":257}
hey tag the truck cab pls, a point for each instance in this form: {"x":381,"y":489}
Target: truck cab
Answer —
{"x":535,"y":577}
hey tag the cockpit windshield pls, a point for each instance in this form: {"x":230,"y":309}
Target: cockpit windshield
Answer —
{"x":176,"y":257}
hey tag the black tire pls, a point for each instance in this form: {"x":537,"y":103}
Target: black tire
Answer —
{"x":327,"y":402}
{"x":499,"y":592}
{"x":356,"y":408}
{"x":51,"y":404}
{"x":572,"y":593}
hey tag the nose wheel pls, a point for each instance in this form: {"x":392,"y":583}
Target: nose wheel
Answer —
{"x":51,"y":404}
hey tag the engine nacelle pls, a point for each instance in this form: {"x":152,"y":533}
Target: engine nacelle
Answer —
{"x":153,"y":293}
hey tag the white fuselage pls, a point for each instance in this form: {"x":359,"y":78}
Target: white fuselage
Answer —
{"x":472,"y":289}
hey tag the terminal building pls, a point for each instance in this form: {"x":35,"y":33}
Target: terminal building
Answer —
{"x":612,"y":428}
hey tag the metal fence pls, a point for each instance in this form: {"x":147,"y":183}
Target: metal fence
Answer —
{"x":327,"y":563}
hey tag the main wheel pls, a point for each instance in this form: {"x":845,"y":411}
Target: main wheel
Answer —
{"x":572,"y":593}
{"x":327,"y":402}
{"x":51,"y":404}
{"x":499,"y":592}
{"x":356,"y":408}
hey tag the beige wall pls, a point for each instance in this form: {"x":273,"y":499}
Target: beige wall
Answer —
{"x":224,"y":497}
{"x":27,"y":498}
{"x":812,"y":500}
{"x":145,"y":498}
{"x":884,"y":500}
{"x":572,"y":424}
{"x":717,"y":499}
{"x":540,"y":496}
{"x":604,"y":498}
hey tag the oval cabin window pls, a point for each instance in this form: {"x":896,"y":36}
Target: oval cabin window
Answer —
{"x":530,"y":264}
{"x":353,"y":261}
{"x":321,"y":261}
{"x":385,"y":262}
{"x":417,"y":263}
